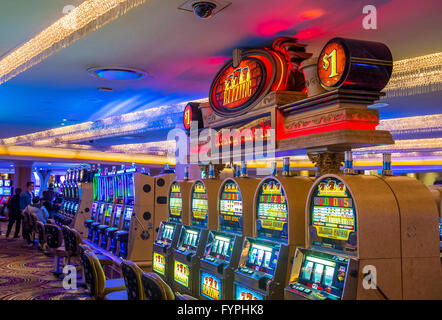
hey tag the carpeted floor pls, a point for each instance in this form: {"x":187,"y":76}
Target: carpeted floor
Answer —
{"x":25,"y":273}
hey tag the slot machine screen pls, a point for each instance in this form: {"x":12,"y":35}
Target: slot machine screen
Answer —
{"x":119,"y":187}
{"x":108,"y":214}
{"x":262,"y":256}
{"x":95,"y":183}
{"x":2,"y":192}
{"x":166,"y":232}
{"x":76,"y":207}
{"x":118,"y":211}
{"x":159,"y":263}
{"x":243,"y":293}
{"x":332,"y":216}
{"x":210,"y":286}
{"x":272,"y":212}
{"x":100,"y":211}
{"x":7,"y":183}
{"x":110,"y":188}
{"x":231,"y":208}
{"x":127,"y":218}
{"x":181,"y":273}
{"x":130,"y":190}
{"x":324,"y":273}
{"x":94,"y":209}
{"x":200,"y":205}
{"x":2,"y":182}
{"x":7,"y":191}
{"x":189,"y":238}
{"x":175,"y":203}
{"x":219,"y":246}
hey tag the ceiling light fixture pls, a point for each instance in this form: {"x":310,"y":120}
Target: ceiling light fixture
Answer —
{"x":84,"y":19}
{"x":117,"y":73}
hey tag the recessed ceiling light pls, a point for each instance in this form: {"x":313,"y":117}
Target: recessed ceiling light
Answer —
{"x":118,"y":73}
{"x":378,"y":105}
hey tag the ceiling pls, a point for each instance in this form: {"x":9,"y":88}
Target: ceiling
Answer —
{"x":182,"y":53}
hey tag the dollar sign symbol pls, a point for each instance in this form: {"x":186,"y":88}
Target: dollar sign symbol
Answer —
{"x":326,"y":62}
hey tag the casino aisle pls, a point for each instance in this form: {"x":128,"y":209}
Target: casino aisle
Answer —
{"x":25,"y":273}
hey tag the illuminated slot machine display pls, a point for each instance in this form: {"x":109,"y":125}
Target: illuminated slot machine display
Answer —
{"x":95,"y":203}
{"x":279,"y":210}
{"x":101,"y":205}
{"x":118,"y":210}
{"x":149,"y":207}
{"x":1,"y":191}
{"x":193,"y":237}
{"x":84,"y":203}
{"x":168,"y":235}
{"x":7,"y":190}
{"x":364,"y":226}
{"x":223,"y":247}
{"x":110,"y":209}
{"x":104,"y":220}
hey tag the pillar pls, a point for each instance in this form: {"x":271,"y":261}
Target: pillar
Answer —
{"x":23,"y":173}
{"x":44,"y":178}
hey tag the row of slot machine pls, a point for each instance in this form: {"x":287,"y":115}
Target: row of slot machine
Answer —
{"x":127,"y":208}
{"x":5,"y":191}
{"x":77,"y":195}
{"x":282,"y":237}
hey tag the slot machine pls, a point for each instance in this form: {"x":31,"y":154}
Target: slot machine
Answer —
{"x":102,"y":196}
{"x":193,"y":237}
{"x":149,"y":197}
{"x":224,"y":245}
{"x":120,"y":202}
{"x":169,"y":231}
{"x":105,"y":219}
{"x":279,"y":212}
{"x":85,"y":204}
{"x":2,"y":193}
{"x":368,"y":237}
{"x":95,"y":203}
{"x":7,"y":190}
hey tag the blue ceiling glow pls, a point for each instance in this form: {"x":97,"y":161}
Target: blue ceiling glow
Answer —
{"x":118,"y":73}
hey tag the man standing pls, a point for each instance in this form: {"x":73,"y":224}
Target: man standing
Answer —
{"x":26,"y":196}
{"x":14,"y":213}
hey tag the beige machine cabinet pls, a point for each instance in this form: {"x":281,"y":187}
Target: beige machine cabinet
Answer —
{"x":206,"y":188}
{"x":162,"y":184}
{"x":352,"y":233}
{"x":296,"y":192}
{"x":145,"y":219}
{"x":420,"y":242}
{"x":179,"y":210}
{"x":84,"y":209}
{"x":247,"y":188}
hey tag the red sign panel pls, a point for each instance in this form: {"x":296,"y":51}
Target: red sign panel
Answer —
{"x":187,"y":117}
{"x":331,"y":64}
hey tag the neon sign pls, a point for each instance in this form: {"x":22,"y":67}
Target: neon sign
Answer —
{"x":238,"y":86}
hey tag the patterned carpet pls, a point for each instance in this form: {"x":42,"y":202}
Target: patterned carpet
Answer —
{"x":25,"y":274}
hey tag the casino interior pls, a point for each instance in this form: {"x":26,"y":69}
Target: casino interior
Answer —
{"x":220,"y":150}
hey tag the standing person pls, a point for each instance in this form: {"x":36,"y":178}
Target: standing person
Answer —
{"x":14,"y":213}
{"x":26,"y":197}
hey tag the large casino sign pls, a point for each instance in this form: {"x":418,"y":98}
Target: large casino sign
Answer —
{"x":241,"y":85}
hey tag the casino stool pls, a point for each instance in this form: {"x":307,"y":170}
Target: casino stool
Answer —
{"x":95,"y":278}
{"x":132,"y":278}
{"x":33,"y":226}
{"x":179,"y":296}
{"x":40,"y":227}
{"x":155,"y":288}
{"x":54,"y":241}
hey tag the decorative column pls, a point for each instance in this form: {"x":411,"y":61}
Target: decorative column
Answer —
{"x":327,"y":161}
{"x":23,"y":173}
{"x":44,"y":178}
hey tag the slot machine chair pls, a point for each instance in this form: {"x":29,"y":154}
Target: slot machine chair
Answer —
{"x":155,"y":288}
{"x":98,"y":286}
